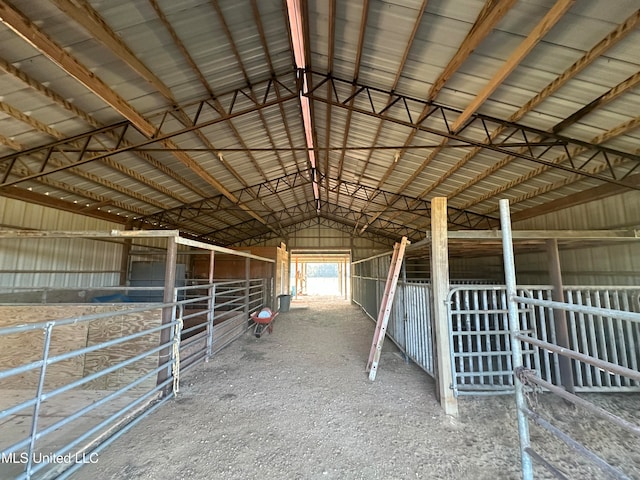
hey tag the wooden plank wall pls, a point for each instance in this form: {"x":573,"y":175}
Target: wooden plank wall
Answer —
{"x":19,"y":349}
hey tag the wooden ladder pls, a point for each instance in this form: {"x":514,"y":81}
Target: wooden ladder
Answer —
{"x":385,"y":307}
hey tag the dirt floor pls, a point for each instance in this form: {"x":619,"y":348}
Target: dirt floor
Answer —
{"x":297,"y":404}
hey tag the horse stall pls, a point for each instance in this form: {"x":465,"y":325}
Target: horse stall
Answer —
{"x":95,"y":328}
{"x":498,"y":337}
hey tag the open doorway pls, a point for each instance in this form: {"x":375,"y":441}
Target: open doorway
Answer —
{"x":316,"y":273}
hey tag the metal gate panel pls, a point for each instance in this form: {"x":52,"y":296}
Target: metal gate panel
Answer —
{"x":480,"y":346}
{"x":614,"y":340}
{"x":418,"y":328}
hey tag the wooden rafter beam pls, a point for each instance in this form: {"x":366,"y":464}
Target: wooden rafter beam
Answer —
{"x":31,"y":34}
{"x":88,"y":18}
{"x":52,"y":202}
{"x":627,"y":126}
{"x":396,"y":81}
{"x":537,"y":34}
{"x":586,"y":196}
{"x":609,"y":41}
{"x":492,"y":12}
{"x":93,"y":23}
{"x":483,"y":124}
{"x":47,"y":130}
{"x":59,"y":100}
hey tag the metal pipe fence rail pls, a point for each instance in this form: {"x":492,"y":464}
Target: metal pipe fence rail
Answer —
{"x":69,"y":440}
{"x":121,"y":377}
{"x":616,"y":372}
{"x":216,"y":316}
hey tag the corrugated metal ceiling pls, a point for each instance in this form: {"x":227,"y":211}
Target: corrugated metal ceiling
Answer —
{"x":188,"y":114}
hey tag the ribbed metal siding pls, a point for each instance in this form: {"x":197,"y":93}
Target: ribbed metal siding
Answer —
{"x":607,"y":265}
{"x":67,"y":257}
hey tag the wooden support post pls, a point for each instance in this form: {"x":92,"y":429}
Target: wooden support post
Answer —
{"x":124,"y":259}
{"x":168,"y":313}
{"x":560,"y":316}
{"x":440,"y":287}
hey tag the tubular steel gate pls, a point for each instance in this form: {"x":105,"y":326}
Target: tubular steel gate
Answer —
{"x":611,"y":333}
{"x":480,"y":342}
{"x":65,"y":403}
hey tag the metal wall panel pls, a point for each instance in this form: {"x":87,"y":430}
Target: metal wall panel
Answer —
{"x":55,"y":262}
{"x":606,"y":265}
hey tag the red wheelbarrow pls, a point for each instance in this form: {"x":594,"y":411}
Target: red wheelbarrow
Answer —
{"x":263,"y":321}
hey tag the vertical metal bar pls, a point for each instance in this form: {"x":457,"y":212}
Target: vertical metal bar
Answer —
{"x":168,"y":313}
{"x":533,"y":324}
{"x":210,"y":318}
{"x":594,"y":347}
{"x":486,"y":326}
{"x":523,"y":320}
{"x":419,"y":322}
{"x":542,"y":322}
{"x":500,"y":338}
{"x":612,"y":336}
{"x":573,"y":341}
{"x":603,"y":340}
{"x":458,"y":330}
{"x":508,"y":358}
{"x":468,"y":338}
{"x":552,"y":335}
{"x":452,"y":341}
{"x":620,"y":337}
{"x":429,"y":325}
{"x":247,"y":288}
{"x":481,"y":354}
{"x":631,"y":343}
{"x":584,"y":347}
{"x":510,"y":280}
{"x":36,"y":408}
{"x":211,"y":305}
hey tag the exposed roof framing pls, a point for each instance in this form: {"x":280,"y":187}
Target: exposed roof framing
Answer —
{"x":515,"y":140}
{"x":242,"y":122}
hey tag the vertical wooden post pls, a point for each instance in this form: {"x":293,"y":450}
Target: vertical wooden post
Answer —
{"x":440,"y":288}
{"x":124,"y":259}
{"x":559,"y":316}
{"x":168,"y":313}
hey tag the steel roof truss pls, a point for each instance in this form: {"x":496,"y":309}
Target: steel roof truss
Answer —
{"x":558,"y":147}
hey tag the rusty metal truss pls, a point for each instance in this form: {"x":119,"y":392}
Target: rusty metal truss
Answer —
{"x":199,"y":216}
{"x":123,"y":137}
{"x":518,"y":141}
{"x":314,"y":222}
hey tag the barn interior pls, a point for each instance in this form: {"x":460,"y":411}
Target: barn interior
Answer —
{"x":169,"y":169}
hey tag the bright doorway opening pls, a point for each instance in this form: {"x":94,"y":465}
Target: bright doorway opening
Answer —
{"x":320,"y":274}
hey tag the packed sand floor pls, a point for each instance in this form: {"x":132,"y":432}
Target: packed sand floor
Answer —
{"x":297,"y":404}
